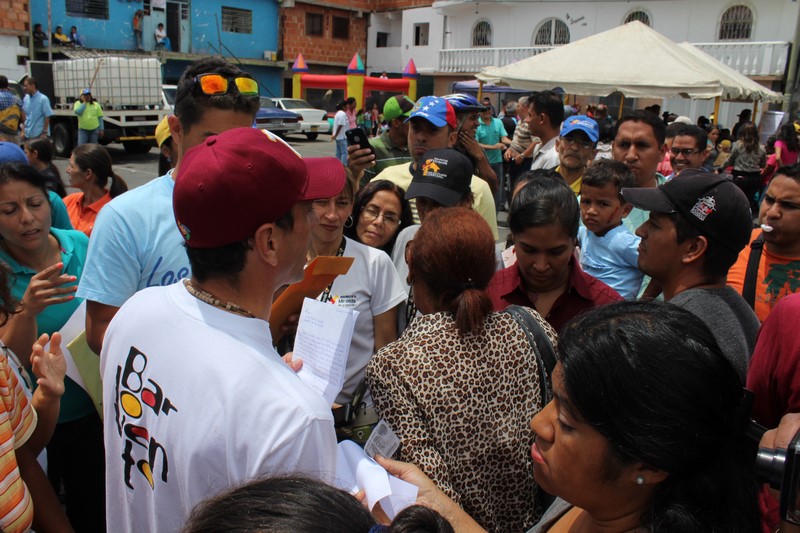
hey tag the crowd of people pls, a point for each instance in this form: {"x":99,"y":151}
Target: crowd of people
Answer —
{"x":586,"y":375}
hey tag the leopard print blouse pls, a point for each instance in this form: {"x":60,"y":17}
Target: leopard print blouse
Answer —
{"x":462,"y":406}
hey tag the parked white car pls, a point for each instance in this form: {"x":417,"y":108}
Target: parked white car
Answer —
{"x":313,"y":121}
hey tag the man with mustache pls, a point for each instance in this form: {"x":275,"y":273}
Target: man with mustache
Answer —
{"x":576,"y":147}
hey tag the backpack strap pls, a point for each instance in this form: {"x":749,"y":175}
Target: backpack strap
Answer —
{"x":541,"y":345}
{"x":750,"y":275}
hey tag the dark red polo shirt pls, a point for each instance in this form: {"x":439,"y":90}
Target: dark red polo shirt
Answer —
{"x":583,"y":292}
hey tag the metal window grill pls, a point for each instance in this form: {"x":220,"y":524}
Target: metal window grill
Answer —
{"x":641,"y":16}
{"x":736,"y":23}
{"x":482,"y":33}
{"x":341,"y":28}
{"x":313,"y":24}
{"x":237,"y":20}
{"x":552,"y":32}
{"x":91,"y":9}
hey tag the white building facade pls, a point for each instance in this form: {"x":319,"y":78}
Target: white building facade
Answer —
{"x":454,"y":39}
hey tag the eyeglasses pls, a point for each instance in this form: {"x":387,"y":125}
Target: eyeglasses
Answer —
{"x":685,"y":151}
{"x":216,"y":84}
{"x":371,"y":213}
{"x":580,"y":143}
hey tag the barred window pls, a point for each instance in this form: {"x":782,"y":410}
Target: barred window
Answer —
{"x":313,"y":24}
{"x":382,"y":40}
{"x":482,"y":33}
{"x":236,"y":20}
{"x":551,"y":32}
{"x":736,"y":23}
{"x":90,"y":9}
{"x":341,"y":28}
{"x":641,"y":16}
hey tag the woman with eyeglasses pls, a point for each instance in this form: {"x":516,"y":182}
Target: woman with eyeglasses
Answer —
{"x":380,"y":212}
{"x":371,"y":287}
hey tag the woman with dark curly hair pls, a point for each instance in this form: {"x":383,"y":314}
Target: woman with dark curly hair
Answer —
{"x":380,"y":212}
{"x":645,"y":432}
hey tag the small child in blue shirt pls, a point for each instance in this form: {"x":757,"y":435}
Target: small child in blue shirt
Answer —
{"x":609,"y":251}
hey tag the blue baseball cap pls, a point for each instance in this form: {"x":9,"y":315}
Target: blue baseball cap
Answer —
{"x":10,"y":153}
{"x":435,"y":110}
{"x":86,"y":91}
{"x":581,"y":123}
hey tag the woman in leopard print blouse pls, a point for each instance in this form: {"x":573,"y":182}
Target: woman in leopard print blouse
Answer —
{"x":462,"y":383}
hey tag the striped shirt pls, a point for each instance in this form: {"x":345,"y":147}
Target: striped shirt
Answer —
{"x":17,"y":422}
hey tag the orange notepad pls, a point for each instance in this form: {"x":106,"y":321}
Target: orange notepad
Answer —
{"x":318,"y":274}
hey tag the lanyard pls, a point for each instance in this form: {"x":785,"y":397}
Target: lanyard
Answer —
{"x":327,"y":292}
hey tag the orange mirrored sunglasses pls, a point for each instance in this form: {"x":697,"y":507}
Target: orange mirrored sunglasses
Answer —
{"x":216,"y":84}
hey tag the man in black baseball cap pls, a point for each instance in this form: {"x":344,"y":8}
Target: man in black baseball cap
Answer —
{"x":441,"y":178}
{"x":699,"y":222}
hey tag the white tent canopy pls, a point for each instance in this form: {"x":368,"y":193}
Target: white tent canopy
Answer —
{"x":632,"y":59}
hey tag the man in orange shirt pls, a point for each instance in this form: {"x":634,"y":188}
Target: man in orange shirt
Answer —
{"x":778,"y":272}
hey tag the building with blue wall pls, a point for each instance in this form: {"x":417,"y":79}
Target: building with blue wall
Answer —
{"x":243,"y":29}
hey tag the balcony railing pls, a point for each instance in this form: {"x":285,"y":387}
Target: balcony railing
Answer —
{"x":765,"y":58}
{"x":749,"y":58}
{"x":474,"y":59}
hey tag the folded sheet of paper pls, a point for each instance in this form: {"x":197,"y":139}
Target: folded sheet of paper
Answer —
{"x":83,"y":365}
{"x":318,"y":274}
{"x":323,"y":342}
{"x":356,"y":471}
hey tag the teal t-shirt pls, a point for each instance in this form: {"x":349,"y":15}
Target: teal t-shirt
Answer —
{"x":75,"y":403}
{"x":491,"y":134}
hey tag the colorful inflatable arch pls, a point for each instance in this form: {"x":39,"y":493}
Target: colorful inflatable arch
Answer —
{"x":355,"y":83}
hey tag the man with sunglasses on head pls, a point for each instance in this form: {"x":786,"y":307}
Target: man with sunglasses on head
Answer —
{"x":135,"y":243}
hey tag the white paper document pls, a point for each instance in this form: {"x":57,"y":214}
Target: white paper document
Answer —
{"x":74,"y":327}
{"x":323,"y":342}
{"x":356,"y":471}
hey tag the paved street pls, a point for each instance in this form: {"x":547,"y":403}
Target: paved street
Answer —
{"x":138,"y":169}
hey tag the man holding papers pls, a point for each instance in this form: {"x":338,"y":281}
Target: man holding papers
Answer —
{"x":195,"y":397}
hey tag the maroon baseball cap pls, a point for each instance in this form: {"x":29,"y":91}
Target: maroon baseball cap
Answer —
{"x":243,"y":178}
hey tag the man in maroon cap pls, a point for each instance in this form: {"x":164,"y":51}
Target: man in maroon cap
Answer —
{"x":196,"y":398}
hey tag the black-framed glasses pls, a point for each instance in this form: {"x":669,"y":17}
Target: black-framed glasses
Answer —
{"x":685,"y":151}
{"x":371,"y":213}
{"x":214,"y":84}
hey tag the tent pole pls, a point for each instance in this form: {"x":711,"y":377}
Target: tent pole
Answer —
{"x":621,"y":104}
{"x":716,"y":109}
{"x":480,"y":90}
{"x":755,"y":110}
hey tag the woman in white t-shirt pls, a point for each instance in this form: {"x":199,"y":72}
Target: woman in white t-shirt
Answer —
{"x":370,"y":287}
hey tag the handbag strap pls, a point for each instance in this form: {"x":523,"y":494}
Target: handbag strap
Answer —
{"x":750,"y":275}
{"x":540,"y":342}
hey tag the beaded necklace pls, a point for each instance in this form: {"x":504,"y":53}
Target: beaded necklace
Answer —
{"x":210,"y":299}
